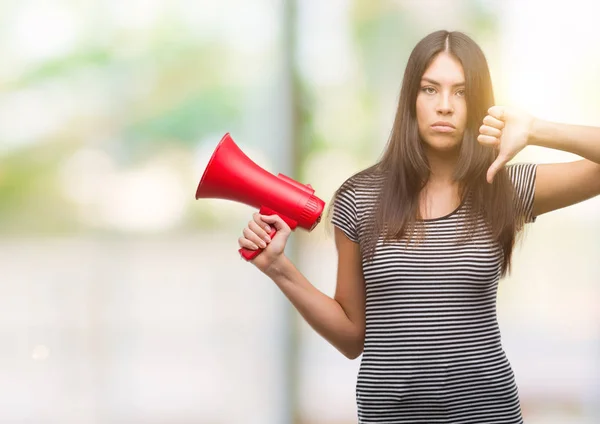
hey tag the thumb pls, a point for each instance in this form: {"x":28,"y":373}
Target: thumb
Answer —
{"x":494,"y":168}
{"x":498,"y":112}
{"x":277,"y":222}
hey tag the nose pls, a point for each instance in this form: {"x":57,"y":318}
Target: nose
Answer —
{"x":445,"y":106}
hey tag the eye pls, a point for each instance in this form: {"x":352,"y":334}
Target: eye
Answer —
{"x":461,"y":92}
{"x":428,"y":90}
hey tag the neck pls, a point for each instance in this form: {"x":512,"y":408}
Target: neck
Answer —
{"x":442,"y":166}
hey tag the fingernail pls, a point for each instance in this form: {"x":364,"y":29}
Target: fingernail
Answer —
{"x":263,"y":244}
{"x":267,"y":238}
{"x":267,"y":228}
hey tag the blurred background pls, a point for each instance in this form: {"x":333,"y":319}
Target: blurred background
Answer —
{"x":124,"y":300}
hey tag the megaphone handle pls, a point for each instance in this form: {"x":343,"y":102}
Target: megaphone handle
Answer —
{"x":251,"y":254}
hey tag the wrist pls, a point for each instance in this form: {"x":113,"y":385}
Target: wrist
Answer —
{"x":278,"y":268}
{"x":536,"y":131}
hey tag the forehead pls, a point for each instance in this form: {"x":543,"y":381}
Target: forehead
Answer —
{"x":445,"y":69}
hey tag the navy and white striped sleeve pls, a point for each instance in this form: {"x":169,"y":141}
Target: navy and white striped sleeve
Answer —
{"x":344,"y":213}
{"x":522,"y":176}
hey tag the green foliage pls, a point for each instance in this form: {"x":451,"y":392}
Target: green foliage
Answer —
{"x":201,"y":113}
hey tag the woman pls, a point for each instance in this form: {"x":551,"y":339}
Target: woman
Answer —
{"x":424,"y":236}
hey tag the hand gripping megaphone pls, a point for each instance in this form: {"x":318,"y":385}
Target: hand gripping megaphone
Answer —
{"x":231,"y":175}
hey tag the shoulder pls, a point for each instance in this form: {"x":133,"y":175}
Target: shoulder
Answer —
{"x":369,"y":179}
{"x":362,"y":187}
{"x":523,"y":177}
{"x":354,"y":199}
{"x":521,"y":173}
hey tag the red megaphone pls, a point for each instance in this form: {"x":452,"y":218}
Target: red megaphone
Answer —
{"x":231,"y":175}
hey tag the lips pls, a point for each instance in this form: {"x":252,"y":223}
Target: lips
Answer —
{"x":443,"y":126}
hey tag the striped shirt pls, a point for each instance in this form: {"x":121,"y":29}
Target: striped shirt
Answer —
{"x":432,"y":351}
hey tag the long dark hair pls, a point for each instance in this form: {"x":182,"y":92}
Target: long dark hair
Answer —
{"x":404,"y":167}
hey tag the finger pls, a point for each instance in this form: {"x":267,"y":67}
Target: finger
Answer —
{"x":276,"y":221}
{"x":491,"y":131}
{"x":494,"y":168}
{"x":488,"y":140}
{"x":497,"y":112}
{"x":247,"y":244}
{"x":252,"y":225}
{"x":493,"y":122}
{"x":254,"y":238}
{"x":257,"y":218}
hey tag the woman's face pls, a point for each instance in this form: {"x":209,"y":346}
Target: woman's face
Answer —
{"x":441,"y":104}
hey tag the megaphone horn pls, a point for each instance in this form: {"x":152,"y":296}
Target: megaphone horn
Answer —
{"x":231,"y":175}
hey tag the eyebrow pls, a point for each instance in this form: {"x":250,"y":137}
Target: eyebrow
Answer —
{"x":434,"y":82}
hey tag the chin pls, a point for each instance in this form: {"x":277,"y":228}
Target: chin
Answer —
{"x":442,"y":144}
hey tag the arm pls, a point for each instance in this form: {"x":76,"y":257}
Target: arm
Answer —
{"x":557,"y":185}
{"x":578,"y":139}
{"x":563,"y":184}
{"x":340,"y":320}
